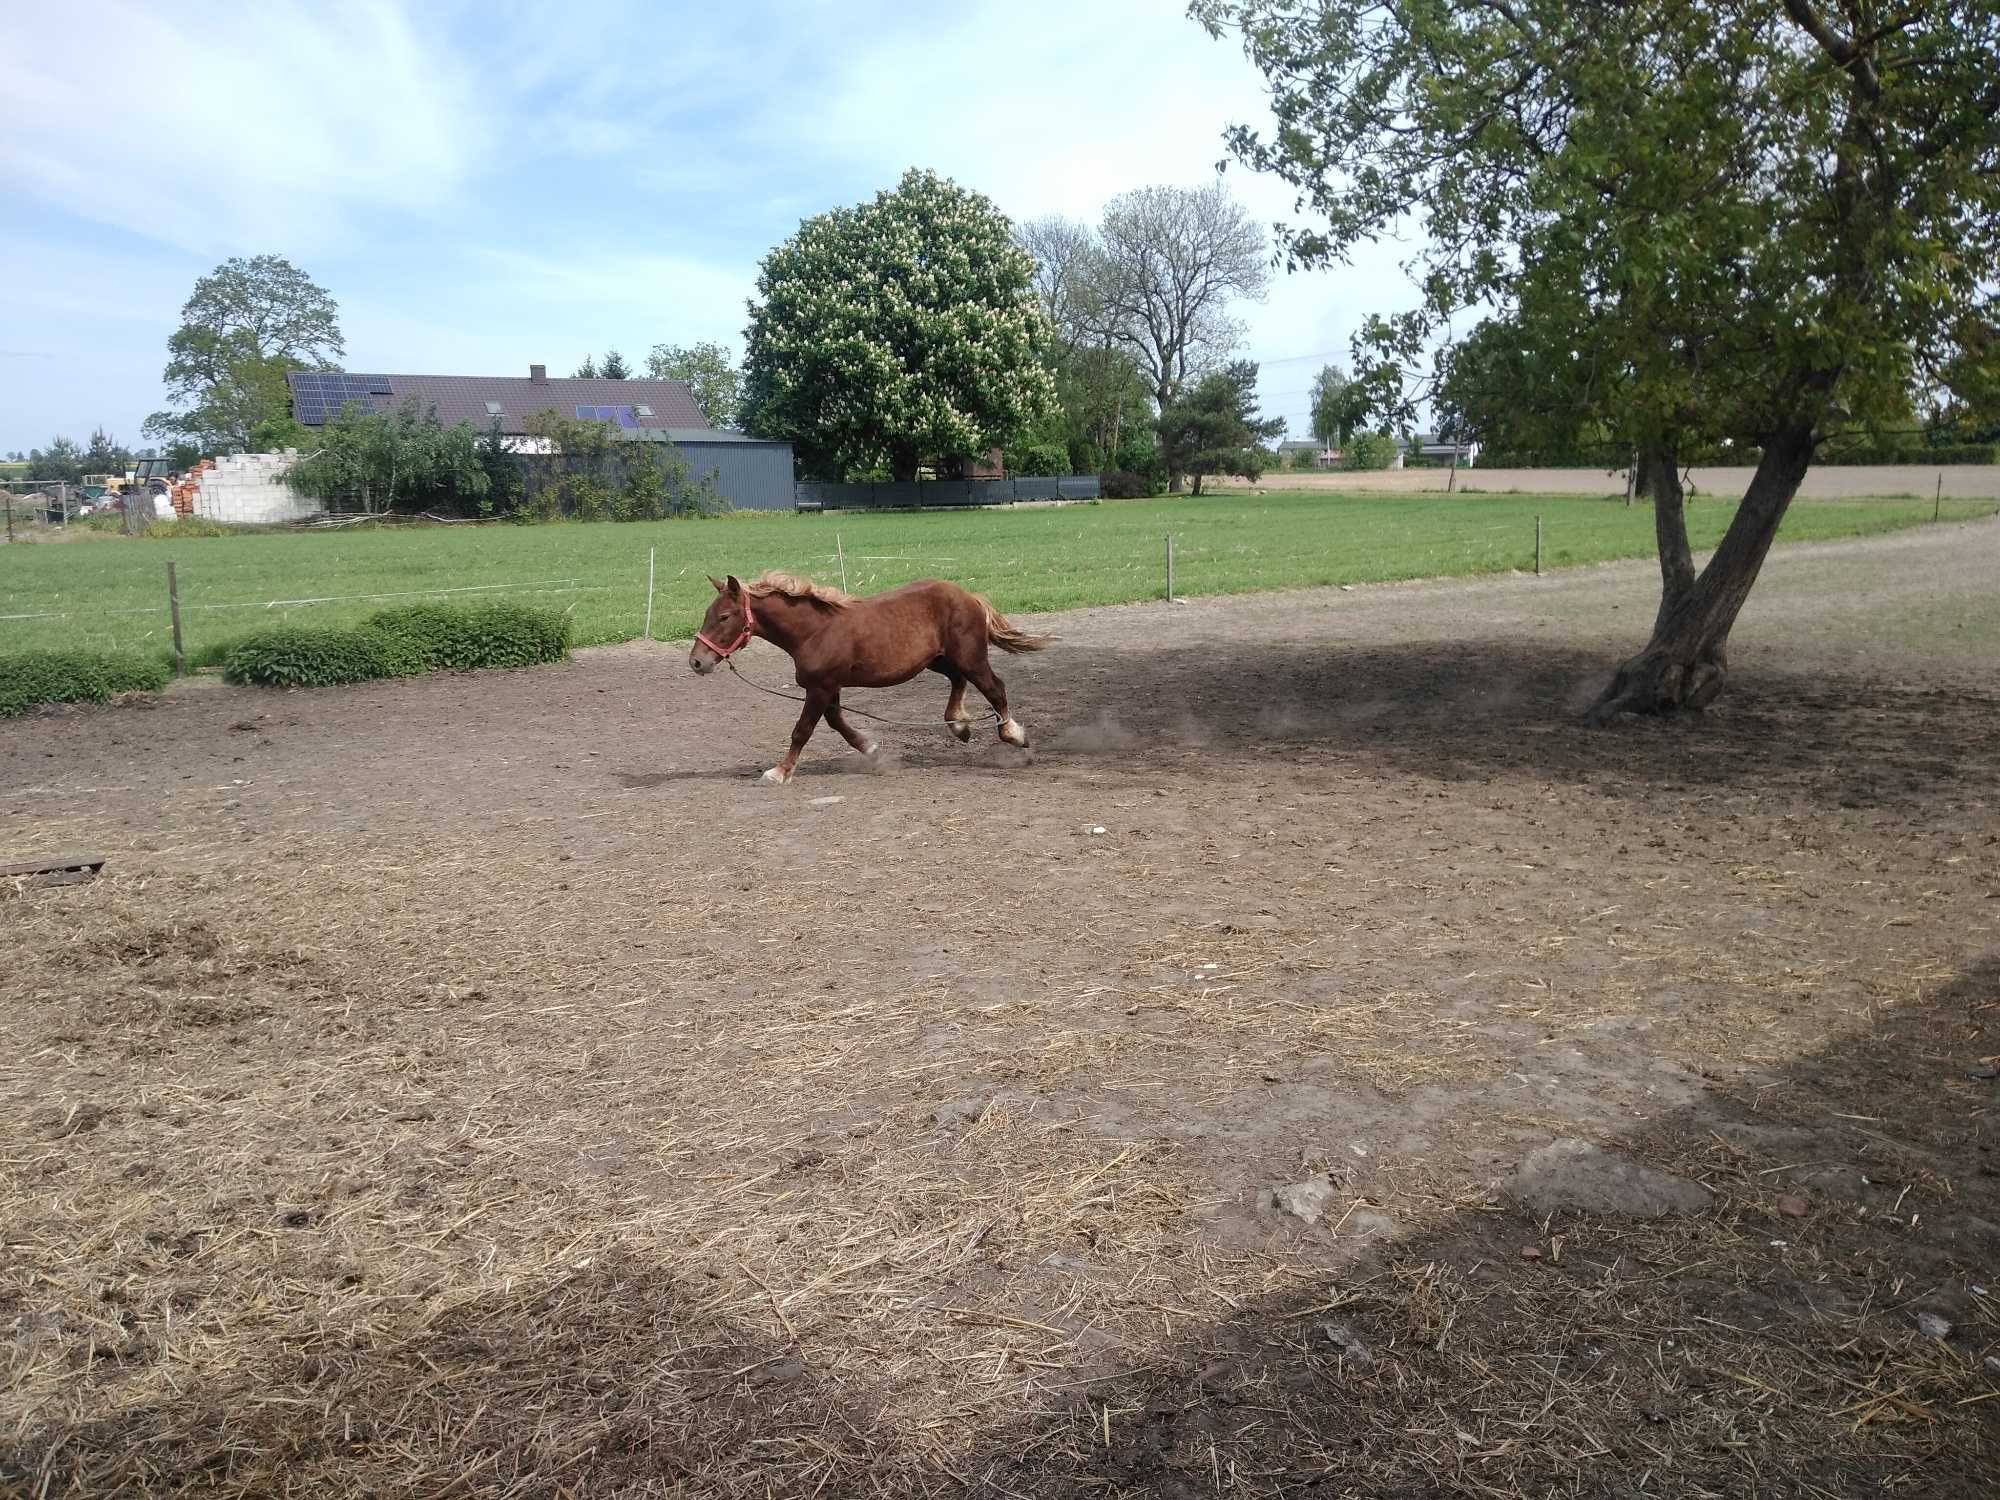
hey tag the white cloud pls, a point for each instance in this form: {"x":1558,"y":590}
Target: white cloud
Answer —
{"x":268,"y":124}
{"x":485,"y":184}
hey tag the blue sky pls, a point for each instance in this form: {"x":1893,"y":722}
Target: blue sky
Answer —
{"x":485,"y":185}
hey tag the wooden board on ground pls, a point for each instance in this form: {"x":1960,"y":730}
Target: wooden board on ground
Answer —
{"x":52,"y":869}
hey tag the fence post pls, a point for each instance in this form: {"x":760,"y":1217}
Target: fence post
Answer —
{"x":174,"y":610}
{"x":1170,"y":567}
{"x":1538,"y":544}
{"x":841,"y":552}
{"x":10,"y":514}
{"x":1937,"y":502}
{"x":649,"y":591}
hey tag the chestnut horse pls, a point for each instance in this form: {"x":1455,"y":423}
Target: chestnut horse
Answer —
{"x":837,"y":641}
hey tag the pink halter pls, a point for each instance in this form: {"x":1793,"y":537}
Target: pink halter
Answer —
{"x":749,"y":629}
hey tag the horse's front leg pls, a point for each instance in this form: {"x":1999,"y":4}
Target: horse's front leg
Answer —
{"x":816,"y":706}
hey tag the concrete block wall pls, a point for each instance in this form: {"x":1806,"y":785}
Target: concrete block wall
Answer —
{"x":247,"y":489}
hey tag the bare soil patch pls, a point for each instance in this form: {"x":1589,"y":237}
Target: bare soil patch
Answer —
{"x":481,"y":1085}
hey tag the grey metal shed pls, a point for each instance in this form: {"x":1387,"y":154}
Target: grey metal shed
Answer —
{"x":750,"y":473}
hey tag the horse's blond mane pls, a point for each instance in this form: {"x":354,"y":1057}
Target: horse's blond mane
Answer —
{"x":794,"y":587}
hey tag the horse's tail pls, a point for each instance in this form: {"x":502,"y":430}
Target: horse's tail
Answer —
{"x":1006,"y":637}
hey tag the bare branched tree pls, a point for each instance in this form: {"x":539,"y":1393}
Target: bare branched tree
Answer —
{"x":1065,"y":254}
{"x":1169,"y":262}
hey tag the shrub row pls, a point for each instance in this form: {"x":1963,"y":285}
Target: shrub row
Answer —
{"x":402,"y":642}
{"x":1960,"y":453}
{"x":36,"y":677}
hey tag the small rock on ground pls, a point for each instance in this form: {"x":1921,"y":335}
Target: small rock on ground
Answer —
{"x":1348,"y":1343}
{"x":1574,"y":1174}
{"x":1306,"y":1200}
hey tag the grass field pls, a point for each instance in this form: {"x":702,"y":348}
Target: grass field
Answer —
{"x":106,"y":591}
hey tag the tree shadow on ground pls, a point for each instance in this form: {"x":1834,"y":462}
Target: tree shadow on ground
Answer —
{"x":1766,"y":1344}
{"x":1769,"y":1345}
{"x":601,"y":1377}
{"x":1476,"y":710}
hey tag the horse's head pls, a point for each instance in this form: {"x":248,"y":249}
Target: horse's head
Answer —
{"x":725,"y":629}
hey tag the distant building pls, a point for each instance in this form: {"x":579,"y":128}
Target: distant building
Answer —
{"x":1325,"y":456}
{"x":750,"y":473}
{"x":1428,"y":448}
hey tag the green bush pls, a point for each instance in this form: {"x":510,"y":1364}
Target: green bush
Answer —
{"x":1123,"y":484}
{"x":1037,"y":459}
{"x":35,"y":677}
{"x":402,"y":642}
{"x":1368,"y":450}
{"x":314,"y":656}
{"x":461,"y":637}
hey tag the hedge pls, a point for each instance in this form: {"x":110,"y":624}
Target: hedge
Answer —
{"x":313,"y":656}
{"x":1923,"y":458}
{"x":460,"y":637}
{"x":36,"y":677}
{"x":402,"y":642}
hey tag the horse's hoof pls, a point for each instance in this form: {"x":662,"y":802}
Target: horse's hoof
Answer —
{"x":777,"y":776}
{"x":961,"y":730}
{"x":1012,"y":732}
{"x":872,"y":749}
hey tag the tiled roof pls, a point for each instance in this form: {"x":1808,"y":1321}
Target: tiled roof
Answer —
{"x":465,"y":398}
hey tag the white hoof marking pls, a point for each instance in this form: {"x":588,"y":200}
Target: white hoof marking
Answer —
{"x":961,"y":729}
{"x":871,"y":748}
{"x":777,"y":776}
{"x":1013,"y":733}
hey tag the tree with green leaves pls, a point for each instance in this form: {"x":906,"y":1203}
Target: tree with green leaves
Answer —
{"x":403,"y":459}
{"x":1492,"y":390}
{"x":61,"y":460}
{"x":588,"y":471}
{"x":247,"y":324}
{"x":1762,"y":223}
{"x":613,"y":366}
{"x":502,"y":466}
{"x":710,"y":374}
{"x":587,"y":370}
{"x":105,"y":455}
{"x":1214,"y":428}
{"x":1339,"y":406}
{"x":896,"y":333}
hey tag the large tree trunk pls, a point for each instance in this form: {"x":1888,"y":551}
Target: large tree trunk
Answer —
{"x":1656,"y":474}
{"x":1683,"y":666}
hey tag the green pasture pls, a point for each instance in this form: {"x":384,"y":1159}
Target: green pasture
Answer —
{"x":102,"y":591}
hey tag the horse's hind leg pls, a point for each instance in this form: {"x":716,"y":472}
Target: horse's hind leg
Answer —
{"x":847,"y":731}
{"x":995,"y":692}
{"x":954,"y":709}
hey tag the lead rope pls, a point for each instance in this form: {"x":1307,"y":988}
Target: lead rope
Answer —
{"x":860,"y":713}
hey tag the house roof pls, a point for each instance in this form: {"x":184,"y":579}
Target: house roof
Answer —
{"x":318,"y":396}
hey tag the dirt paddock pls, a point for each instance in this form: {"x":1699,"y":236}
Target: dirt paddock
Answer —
{"x":484,"y":1086}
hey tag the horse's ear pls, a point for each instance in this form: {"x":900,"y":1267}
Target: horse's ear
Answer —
{"x":718,"y":584}
{"x":735,"y":588}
